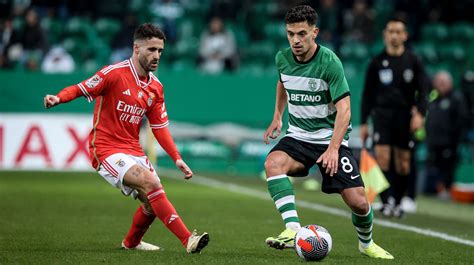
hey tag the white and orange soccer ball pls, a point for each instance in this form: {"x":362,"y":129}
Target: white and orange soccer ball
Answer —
{"x":313,"y":243}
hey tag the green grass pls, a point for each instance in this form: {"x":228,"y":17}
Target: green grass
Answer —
{"x":77,"y":218}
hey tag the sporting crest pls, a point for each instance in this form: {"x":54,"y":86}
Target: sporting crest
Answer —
{"x":312,"y":84}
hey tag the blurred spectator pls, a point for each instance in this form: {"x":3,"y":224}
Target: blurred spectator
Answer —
{"x":445,"y":124}
{"x":358,"y":22}
{"x":124,"y":38}
{"x":226,"y":9}
{"x":168,"y":12}
{"x":328,"y":24}
{"x":19,"y":7}
{"x":5,"y":9}
{"x":217,"y":48}
{"x":448,"y":11}
{"x":9,"y":36}
{"x":46,"y":8}
{"x":57,"y":60}
{"x":33,"y":41}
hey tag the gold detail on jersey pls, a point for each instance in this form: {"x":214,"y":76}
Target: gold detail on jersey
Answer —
{"x":95,"y":134}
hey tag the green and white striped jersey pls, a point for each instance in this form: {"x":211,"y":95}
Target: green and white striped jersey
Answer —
{"x":313,"y":88}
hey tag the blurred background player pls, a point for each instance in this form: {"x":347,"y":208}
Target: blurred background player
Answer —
{"x":446,"y":122}
{"x":125,"y":93}
{"x":312,"y":83}
{"x":395,"y":97}
{"x":217,"y":48}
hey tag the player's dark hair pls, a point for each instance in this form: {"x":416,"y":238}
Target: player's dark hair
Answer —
{"x":147,"y":31}
{"x":396,"y":19}
{"x":301,"y":13}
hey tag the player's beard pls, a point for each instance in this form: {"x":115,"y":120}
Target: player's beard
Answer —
{"x":147,"y":65}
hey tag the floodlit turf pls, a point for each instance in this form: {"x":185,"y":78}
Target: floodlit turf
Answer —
{"x":77,"y":218}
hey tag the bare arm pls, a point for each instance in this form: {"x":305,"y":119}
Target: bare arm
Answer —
{"x":330,"y":157}
{"x":280,"y":105}
{"x":343,"y":117}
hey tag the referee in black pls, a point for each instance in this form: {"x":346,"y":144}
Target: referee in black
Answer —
{"x":395,"y":98}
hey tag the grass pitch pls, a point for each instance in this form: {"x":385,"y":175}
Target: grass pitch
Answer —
{"x":77,"y":218}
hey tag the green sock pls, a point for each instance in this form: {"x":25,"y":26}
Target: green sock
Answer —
{"x":363,"y":225}
{"x":282,"y":193}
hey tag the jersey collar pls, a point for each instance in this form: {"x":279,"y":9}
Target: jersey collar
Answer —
{"x":310,"y":59}
{"x":139,"y":82}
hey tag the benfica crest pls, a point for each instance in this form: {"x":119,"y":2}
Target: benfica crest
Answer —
{"x":151,"y":96}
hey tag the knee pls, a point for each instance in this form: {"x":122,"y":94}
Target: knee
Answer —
{"x":384,"y":163}
{"x":150,"y":182}
{"x":404,"y":168}
{"x":273,"y":166}
{"x":360,"y":206}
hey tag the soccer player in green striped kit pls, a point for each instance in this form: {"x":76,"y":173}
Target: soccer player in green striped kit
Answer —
{"x":312,"y":84}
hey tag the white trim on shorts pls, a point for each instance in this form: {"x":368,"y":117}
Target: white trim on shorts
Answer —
{"x":114,"y":167}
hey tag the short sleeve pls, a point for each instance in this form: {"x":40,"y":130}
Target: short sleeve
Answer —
{"x":94,"y":86}
{"x":157,"y":114}
{"x":338,"y":87}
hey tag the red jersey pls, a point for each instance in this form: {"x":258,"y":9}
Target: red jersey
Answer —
{"x":122,"y":99}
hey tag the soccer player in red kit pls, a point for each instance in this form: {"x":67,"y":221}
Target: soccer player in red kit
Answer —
{"x":125,"y":92}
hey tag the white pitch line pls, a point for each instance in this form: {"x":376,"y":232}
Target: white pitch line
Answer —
{"x":205,"y":181}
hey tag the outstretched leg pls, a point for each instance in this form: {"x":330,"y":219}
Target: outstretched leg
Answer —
{"x":147,"y":183}
{"x":142,"y":220}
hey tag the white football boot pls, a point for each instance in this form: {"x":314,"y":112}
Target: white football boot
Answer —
{"x":197,"y":242}
{"x":143,"y":246}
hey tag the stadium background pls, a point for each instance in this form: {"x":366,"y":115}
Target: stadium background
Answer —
{"x":216,"y":119}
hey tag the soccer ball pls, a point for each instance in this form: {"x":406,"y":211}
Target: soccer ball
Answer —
{"x":313,"y":243}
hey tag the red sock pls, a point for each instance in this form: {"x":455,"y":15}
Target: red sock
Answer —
{"x":141,"y":221}
{"x":165,"y":211}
